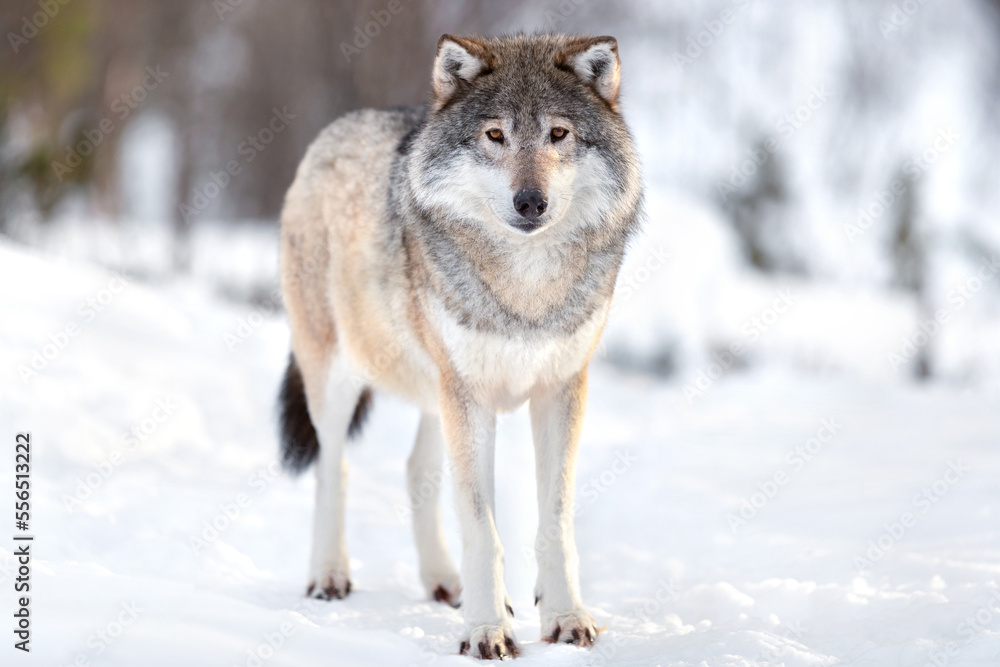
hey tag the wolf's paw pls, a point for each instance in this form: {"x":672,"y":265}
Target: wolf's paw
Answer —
{"x":447,"y":589}
{"x":331,"y":586}
{"x":491,"y":642}
{"x":573,"y":627}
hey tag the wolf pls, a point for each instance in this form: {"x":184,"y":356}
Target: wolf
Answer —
{"x":462,"y":255}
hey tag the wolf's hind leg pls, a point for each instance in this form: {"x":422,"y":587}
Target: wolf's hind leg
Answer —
{"x":424,"y":478}
{"x":341,"y":400}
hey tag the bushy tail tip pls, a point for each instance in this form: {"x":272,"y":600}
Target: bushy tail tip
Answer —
{"x":299,"y":442}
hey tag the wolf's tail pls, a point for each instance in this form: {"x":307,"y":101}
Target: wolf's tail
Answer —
{"x":299,"y":442}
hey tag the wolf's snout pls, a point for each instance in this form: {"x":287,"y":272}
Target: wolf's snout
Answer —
{"x":530,"y":203}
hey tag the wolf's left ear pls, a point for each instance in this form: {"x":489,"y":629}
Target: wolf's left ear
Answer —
{"x":595,"y":61}
{"x":459,"y":59}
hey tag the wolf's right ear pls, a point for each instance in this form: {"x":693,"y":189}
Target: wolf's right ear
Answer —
{"x":459,"y":59}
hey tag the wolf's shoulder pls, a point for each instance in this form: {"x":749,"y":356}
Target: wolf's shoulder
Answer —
{"x":366,"y":131}
{"x":374,"y":121}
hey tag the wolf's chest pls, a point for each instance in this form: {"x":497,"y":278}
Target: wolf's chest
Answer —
{"x":506,"y":366}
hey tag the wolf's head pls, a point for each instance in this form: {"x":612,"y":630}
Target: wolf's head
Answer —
{"x":524,"y":134}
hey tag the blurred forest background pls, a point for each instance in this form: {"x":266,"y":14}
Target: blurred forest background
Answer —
{"x":846,"y":148}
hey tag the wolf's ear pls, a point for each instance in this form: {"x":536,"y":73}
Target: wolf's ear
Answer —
{"x":458,"y":59}
{"x":595,"y":61}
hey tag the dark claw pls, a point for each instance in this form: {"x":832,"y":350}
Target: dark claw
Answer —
{"x":510,"y":610}
{"x":584,"y":636}
{"x":537,"y":599}
{"x":441,"y":594}
{"x":330,"y":592}
{"x":505,"y":651}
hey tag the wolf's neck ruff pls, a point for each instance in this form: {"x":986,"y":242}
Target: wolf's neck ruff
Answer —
{"x":534,"y":285}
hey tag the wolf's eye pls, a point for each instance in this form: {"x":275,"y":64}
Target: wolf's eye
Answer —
{"x":559,"y":133}
{"x":495,"y":135}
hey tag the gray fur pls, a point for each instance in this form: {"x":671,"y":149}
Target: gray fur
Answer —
{"x":524,"y":81}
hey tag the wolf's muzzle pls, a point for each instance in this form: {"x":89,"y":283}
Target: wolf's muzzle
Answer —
{"x":530,"y":204}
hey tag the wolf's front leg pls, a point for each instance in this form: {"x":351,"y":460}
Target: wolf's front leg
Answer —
{"x":469,"y":431}
{"x":556,"y":419}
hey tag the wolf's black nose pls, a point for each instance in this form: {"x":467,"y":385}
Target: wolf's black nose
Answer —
{"x":530,"y":203}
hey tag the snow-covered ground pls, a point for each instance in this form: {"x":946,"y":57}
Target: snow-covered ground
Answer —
{"x":772,"y":518}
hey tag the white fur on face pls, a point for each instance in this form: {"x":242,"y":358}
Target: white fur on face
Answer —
{"x":592,"y":199}
{"x":579,"y":193}
{"x":466,"y":190}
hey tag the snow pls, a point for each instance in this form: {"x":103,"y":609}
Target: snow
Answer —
{"x":683,"y":295}
{"x":730,"y":528}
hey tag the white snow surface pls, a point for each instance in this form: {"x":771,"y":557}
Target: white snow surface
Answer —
{"x":667,"y":566}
